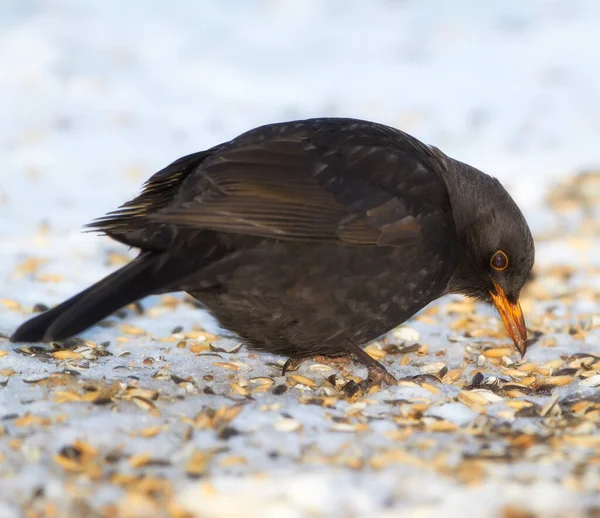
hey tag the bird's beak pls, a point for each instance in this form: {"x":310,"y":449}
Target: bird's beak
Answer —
{"x":512,"y":316}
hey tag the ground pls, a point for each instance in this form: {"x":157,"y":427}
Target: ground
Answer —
{"x":153,"y":413}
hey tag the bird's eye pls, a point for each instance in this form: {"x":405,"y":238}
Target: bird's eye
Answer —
{"x":499,"y":261}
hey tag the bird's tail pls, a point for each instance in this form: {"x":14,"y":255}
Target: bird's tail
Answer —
{"x":149,"y":273}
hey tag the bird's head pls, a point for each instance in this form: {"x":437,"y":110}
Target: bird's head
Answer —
{"x":497,"y":250}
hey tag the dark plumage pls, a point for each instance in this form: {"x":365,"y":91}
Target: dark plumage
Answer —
{"x":311,"y":237}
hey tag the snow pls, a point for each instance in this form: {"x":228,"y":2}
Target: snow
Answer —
{"x":96,"y":96}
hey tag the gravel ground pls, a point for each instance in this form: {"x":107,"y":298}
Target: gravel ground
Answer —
{"x":156,"y":412}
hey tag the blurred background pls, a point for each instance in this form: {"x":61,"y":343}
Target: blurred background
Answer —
{"x":98,"y":95}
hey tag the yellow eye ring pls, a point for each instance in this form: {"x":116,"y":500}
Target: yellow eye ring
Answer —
{"x":499,"y":261}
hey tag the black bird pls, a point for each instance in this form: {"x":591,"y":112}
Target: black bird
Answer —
{"x":311,"y":238}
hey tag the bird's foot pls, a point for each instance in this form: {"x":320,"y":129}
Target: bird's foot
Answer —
{"x":376,"y":376}
{"x":377,"y":373}
{"x":380,"y":374}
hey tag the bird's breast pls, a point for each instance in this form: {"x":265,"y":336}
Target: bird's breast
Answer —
{"x":284,"y":292}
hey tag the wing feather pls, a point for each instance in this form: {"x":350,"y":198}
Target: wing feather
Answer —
{"x":289,"y":189}
{"x":341,"y":181}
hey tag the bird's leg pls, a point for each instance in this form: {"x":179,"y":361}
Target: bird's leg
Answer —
{"x":377,"y":373}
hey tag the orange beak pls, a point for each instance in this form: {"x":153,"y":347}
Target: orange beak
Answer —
{"x":512,"y":316}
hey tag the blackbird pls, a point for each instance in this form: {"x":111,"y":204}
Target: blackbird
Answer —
{"x":312,"y":237}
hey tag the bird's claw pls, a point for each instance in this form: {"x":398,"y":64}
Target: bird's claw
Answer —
{"x":376,"y":376}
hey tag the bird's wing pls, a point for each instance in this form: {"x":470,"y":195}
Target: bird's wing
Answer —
{"x":337,"y":180}
{"x":156,"y":193}
{"x":303,"y":189}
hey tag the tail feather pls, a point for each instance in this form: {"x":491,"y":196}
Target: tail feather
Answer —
{"x":143,"y":276}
